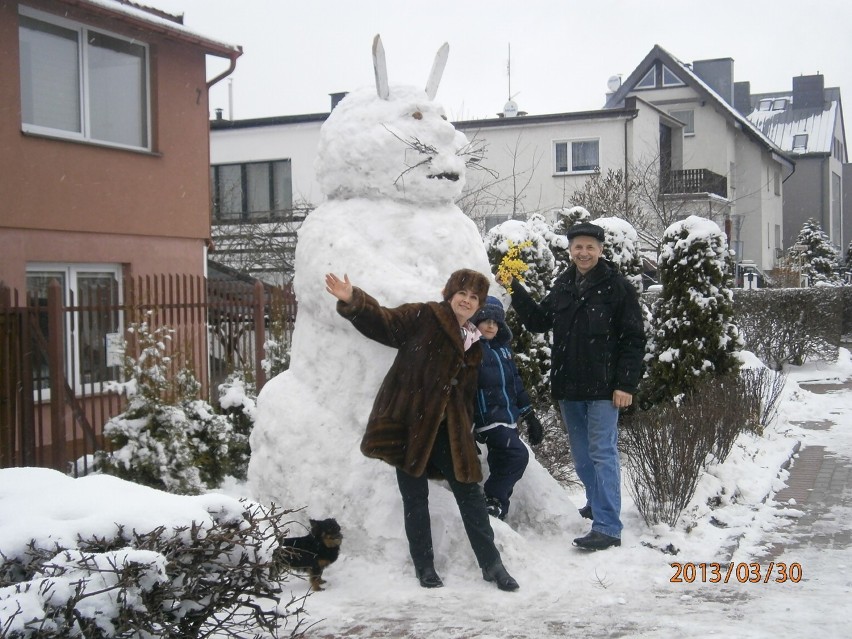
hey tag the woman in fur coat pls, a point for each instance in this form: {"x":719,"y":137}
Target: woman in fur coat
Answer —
{"x":422,"y":419}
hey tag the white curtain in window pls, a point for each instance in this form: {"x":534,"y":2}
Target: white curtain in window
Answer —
{"x":282,"y":186}
{"x":50,"y":75}
{"x":257,"y":188}
{"x":117,"y":90}
{"x":584,"y":156}
{"x":561,"y":157}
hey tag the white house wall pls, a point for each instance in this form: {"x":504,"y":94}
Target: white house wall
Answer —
{"x":294,"y":141}
{"x":523,"y":157}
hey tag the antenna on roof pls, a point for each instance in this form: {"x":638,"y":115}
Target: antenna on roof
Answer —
{"x":510,"y":109}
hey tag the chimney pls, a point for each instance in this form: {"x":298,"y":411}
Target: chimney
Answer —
{"x":742,"y":97}
{"x":718,"y":74}
{"x":808,"y":91}
{"x":336,"y":98}
{"x":218,"y":114}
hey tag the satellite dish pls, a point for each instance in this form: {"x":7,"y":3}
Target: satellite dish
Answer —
{"x":510,"y":109}
{"x":614,"y":83}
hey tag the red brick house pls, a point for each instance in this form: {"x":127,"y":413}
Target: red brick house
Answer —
{"x":104,"y":155}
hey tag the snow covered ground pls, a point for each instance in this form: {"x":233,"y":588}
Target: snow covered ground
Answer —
{"x":628,"y":591}
{"x":565,"y":592}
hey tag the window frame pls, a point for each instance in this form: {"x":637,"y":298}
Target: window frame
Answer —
{"x":675,"y":82}
{"x":569,"y":157}
{"x":644,"y":84}
{"x":84,"y":84}
{"x":689,"y":129}
{"x":73,"y":322}
{"x":804,"y":145}
{"x":246,"y":194}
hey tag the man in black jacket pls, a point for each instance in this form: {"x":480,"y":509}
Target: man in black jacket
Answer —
{"x":596,"y":364}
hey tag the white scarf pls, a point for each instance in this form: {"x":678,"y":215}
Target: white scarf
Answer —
{"x":470,"y":334}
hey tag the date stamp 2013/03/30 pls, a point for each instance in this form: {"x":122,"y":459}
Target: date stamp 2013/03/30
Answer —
{"x":741,"y":572}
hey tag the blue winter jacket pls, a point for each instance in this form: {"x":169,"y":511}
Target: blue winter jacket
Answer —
{"x":501,"y":396}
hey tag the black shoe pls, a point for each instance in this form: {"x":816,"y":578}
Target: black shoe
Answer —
{"x":495,"y":508}
{"x":498,"y":573}
{"x":586,"y":512}
{"x":596,"y":541}
{"x":428,"y":577}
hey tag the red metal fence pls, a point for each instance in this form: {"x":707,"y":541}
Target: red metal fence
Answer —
{"x":63,"y":354}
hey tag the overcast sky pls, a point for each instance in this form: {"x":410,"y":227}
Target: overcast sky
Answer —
{"x":297,"y":52}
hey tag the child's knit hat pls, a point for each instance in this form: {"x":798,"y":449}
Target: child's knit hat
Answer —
{"x":493,"y":310}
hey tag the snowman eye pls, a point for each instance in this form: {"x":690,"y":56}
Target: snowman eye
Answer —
{"x":417,"y":115}
{"x":443,"y":117}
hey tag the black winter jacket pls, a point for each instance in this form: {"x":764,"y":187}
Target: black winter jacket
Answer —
{"x":501,"y":396}
{"x":598,"y":334}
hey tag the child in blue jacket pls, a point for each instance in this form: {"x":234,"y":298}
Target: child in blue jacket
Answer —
{"x":501,"y":403}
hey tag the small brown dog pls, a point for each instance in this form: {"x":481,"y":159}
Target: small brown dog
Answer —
{"x":314,"y":552}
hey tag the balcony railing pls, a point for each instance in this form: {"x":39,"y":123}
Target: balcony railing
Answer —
{"x":695,"y":181}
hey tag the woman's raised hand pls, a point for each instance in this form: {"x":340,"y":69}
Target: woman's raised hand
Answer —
{"x":341,"y":289}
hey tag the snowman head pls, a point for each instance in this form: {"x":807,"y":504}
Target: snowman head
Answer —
{"x":392,"y":142}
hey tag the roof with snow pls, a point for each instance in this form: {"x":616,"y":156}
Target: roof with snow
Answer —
{"x":780,"y":119}
{"x":685,"y":73}
{"x":155,"y":20}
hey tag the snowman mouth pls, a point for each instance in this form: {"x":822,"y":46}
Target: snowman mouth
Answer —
{"x":452,"y":177}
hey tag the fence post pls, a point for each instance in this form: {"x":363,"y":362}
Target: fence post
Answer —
{"x":8,"y":370}
{"x":56,"y":364}
{"x":259,"y":334}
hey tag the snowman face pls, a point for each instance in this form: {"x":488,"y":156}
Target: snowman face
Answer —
{"x":402,"y":148}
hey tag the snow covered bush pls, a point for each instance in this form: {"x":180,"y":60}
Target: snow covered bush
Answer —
{"x":791,"y":326}
{"x":167,"y":438}
{"x":819,"y":260}
{"x":669,"y":446}
{"x":532,"y":351}
{"x":622,"y":248}
{"x":565,"y":219}
{"x":216,"y":578}
{"x":693,"y":336}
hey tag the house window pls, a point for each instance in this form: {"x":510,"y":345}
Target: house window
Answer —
{"x":649,"y":81}
{"x":253,"y":191}
{"x":670,"y":79}
{"x":94,"y":291}
{"x":780,"y":104}
{"x":688,"y":118}
{"x":777,"y":182}
{"x":82,"y":84}
{"x":765,"y":105}
{"x":578,"y":156}
{"x":800,"y":141}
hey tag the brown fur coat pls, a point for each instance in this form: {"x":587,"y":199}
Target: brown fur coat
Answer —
{"x":431,"y":377}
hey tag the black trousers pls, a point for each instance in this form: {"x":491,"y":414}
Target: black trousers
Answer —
{"x":471,"y":502}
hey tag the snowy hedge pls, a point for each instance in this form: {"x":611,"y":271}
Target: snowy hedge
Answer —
{"x":790,"y":326}
{"x":102,"y":557}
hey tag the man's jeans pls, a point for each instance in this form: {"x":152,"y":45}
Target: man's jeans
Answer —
{"x":592,"y":428}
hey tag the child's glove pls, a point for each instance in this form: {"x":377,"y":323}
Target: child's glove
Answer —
{"x":535,"y":431}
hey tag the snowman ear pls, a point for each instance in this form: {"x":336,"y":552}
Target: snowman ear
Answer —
{"x":437,"y":71}
{"x":381,"y":68}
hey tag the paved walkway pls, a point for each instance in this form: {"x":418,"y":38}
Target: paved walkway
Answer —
{"x":820,"y":481}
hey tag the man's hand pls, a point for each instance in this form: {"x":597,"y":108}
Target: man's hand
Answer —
{"x":620,"y":399}
{"x":341,"y":289}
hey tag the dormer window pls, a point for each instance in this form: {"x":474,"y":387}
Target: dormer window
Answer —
{"x":800,"y":141}
{"x":670,"y":79}
{"x":780,"y":104}
{"x":649,"y":81}
{"x":765,"y":105}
